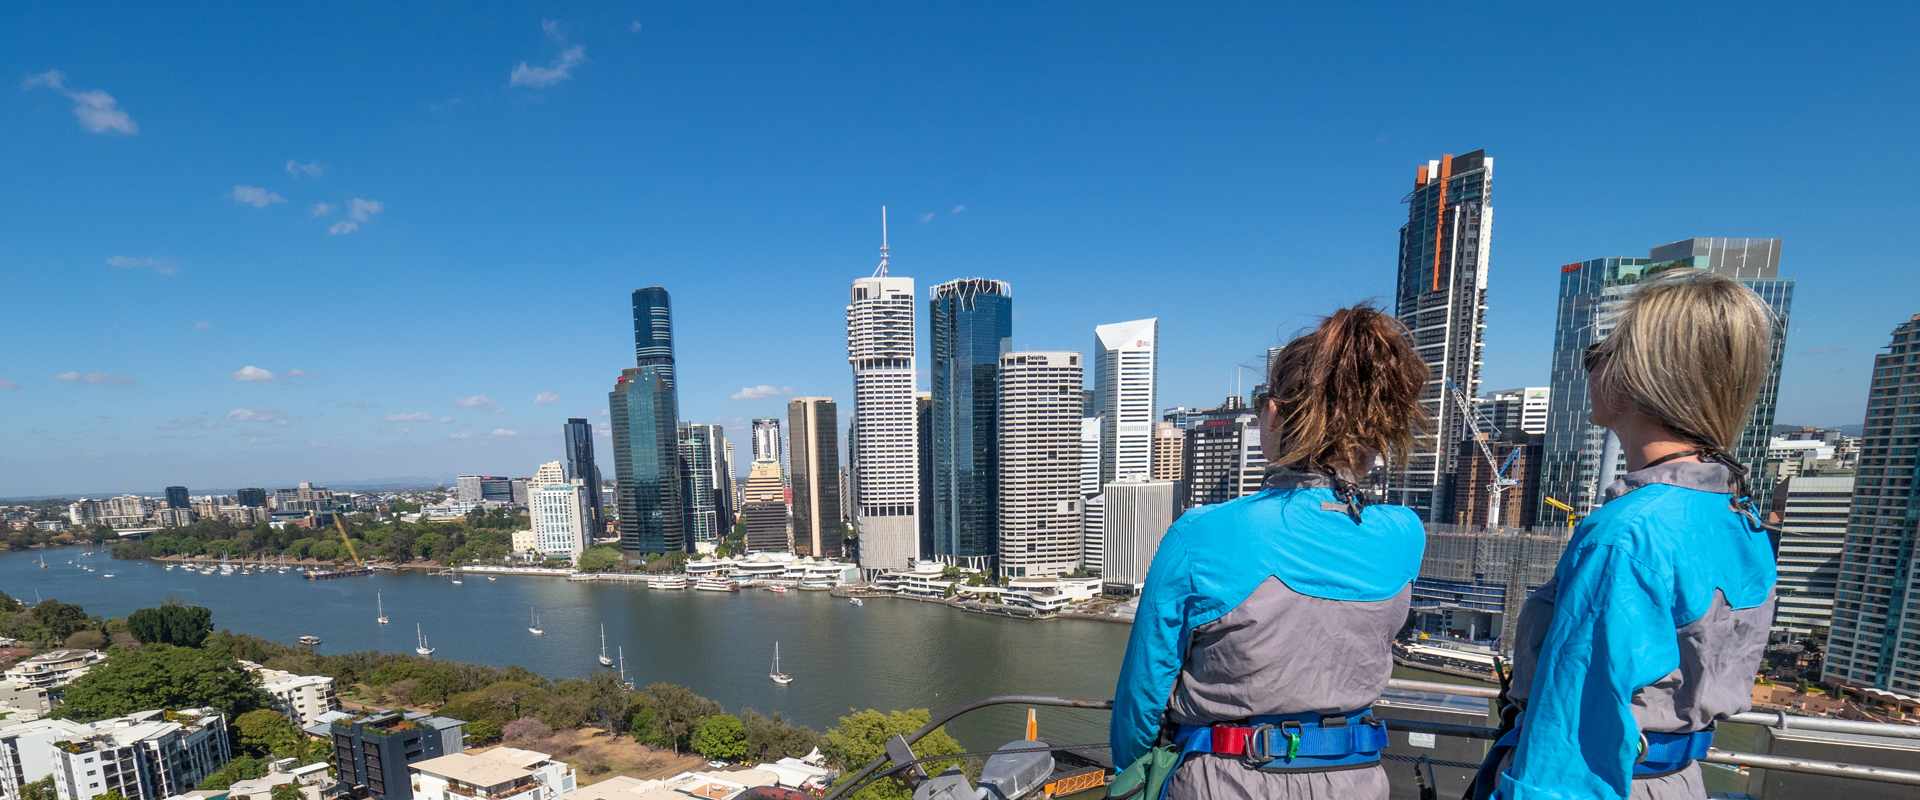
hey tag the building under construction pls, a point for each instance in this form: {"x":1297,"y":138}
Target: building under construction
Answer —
{"x":1473,"y":579}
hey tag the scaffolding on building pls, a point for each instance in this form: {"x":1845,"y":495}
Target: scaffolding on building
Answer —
{"x":1493,"y":559}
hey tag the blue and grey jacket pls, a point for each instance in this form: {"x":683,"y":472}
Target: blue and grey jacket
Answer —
{"x":1274,"y":603}
{"x":1655,"y":621}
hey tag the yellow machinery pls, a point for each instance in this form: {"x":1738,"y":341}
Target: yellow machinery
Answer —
{"x":356,"y":556}
{"x":1571,"y":518}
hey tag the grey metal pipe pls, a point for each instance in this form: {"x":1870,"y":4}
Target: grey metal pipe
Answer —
{"x":1783,"y":764}
{"x":1778,"y":720}
{"x":1444,"y":688}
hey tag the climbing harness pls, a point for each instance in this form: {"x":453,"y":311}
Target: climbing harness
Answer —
{"x":1293,"y":742}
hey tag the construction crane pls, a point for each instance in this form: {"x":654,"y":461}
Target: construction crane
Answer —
{"x":345,"y":538}
{"x":1563,"y":507}
{"x":1483,"y":433}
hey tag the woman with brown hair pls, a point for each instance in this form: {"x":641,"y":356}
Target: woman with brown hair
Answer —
{"x":1656,"y":618}
{"x":1264,"y":630}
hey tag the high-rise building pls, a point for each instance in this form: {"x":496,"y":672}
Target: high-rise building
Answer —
{"x":251,"y":497}
{"x":560,"y":519}
{"x":923,"y":434}
{"x":551,"y":473}
{"x":1517,"y":409}
{"x":1813,"y":519}
{"x":1581,"y":458}
{"x":1092,"y":545}
{"x":1039,"y":470}
{"x":813,"y":428}
{"x":177,"y":497}
{"x":886,"y":452}
{"x":1169,"y":451}
{"x":149,"y":755}
{"x":764,"y":509}
{"x":767,"y":441}
{"x":520,"y":490}
{"x":646,"y":448}
{"x":1223,"y":458}
{"x":1872,"y":644}
{"x":372,"y":752}
{"x":703,"y":484}
{"x":1138,"y":514}
{"x":970,"y":324}
{"x":582,"y":467}
{"x":1518,"y":455}
{"x":1441,"y":297}
{"x":1125,"y":375}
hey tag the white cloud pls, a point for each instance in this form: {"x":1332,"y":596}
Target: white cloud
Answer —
{"x":635,"y":27}
{"x":256,"y":196}
{"x":257,"y":415}
{"x":417,"y":416}
{"x":927,"y":217}
{"x":761,"y":392}
{"x":253,"y":374}
{"x":311,"y":169}
{"x":320,"y":209}
{"x":94,"y":378}
{"x":604,"y":430}
{"x":459,"y":435}
{"x":97,"y":110}
{"x":503,"y":433}
{"x":129,"y":262}
{"x":202,"y":325}
{"x":444,"y":420}
{"x":601,"y":412}
{"x":8,"y":386}
{"x":561,"y":68}
{"x":344,"y":227}
{"x":957,"y":209}
{"x":545,"y":398}
{"x":476,"y":401}
{"x":362,"y":209}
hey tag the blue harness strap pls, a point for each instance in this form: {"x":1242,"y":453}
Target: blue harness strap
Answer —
{"x":1292,"y":742}
{"x":1660,"y":754}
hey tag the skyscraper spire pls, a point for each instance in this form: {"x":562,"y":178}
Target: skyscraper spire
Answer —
{"x":882,"y":271}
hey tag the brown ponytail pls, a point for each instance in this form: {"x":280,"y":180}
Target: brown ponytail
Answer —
{"x":1346,"y":391}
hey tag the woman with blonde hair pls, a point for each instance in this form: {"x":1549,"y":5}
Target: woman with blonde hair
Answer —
{"x":1265,"y":627}
{"x":1655,"y":621}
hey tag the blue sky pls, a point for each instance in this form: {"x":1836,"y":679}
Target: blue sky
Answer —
{"x":395,"y":210}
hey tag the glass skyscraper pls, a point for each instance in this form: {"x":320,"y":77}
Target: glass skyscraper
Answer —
{"x":704,"y":486}
{"x":1580,"y":459}
{"x":646,"y":447}
{"x":971,"y":324}
{"x":581,"y":467}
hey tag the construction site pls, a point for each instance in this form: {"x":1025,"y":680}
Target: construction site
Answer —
{"x":1473,"y":579}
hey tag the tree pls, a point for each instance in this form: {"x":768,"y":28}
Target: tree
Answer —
{"x":524,"y":730}
{"x":287,"y":791}
{"x":773,"y":739}
{"x":163,"y":676}
{"x":265,"y":732}
{"x":38,"y":790}
{"x":862,"y":737}
{"x":8,"y":605}
{"x":600,"y":558}
{"x":60,"y":620}
{"x":86,"y":640}
{"x":680,"y":711}
{"x":482,"y":731}
{"x":721,"y":738}
{"x":240,"y":769}
{"x":177,"y":625}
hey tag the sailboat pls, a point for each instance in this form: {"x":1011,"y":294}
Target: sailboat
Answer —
{"x":456,"y":577}
{"x":535,"y":628}
{"x":778,"y":676}
{"x":43,"y":561}
{"x":378,"y":606}
{"x":604,"y":660}
{"x":623,"y":670}
{"x":423,"y":648}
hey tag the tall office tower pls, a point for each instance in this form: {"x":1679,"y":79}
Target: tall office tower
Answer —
{"x":733,"y":477}
{"x":1813,"y":517}
{"x":1090,"y":430}
{"x":177,"y":497}
{"x":765,"y":509}
{"x":970,"y":323}
{"x":1871,"y":645}
{"x":1039,"y":469}
{"x":1125,"y":374}
{"x":558,"y":514}
{"x":1169,"y":451}
{"x":813,"y":428}
{"x":252,"y":497}
{"x":1442,"y":299}
{"x":1581,"y":458}
{"x":1517,"y":409}
{"x":880,"y":348}
{"x":646,"y":446}
{"x":767,"y":441}
{"x":551,"y":473}
{"x":1092,"y":507}
{"x":923,"y":434}
{"x":1223,"y":458}
{"x":702,"y":484}
{"x":581,"y":467}
{"x":1138,"y":514}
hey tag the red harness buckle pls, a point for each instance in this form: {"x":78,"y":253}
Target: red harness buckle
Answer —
{"x":1228,"y":741}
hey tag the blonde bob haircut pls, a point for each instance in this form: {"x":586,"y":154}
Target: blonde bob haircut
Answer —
{"x":1690,"y":352}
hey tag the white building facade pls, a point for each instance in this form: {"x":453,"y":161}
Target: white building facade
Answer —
{"x":1138,"y":514}
{"x":151,"y":755}
{"x":500,"y":773}
{"x":1125,"y":378}
{"x":560,"y":518}
{"x":886,"y":453}
{"x":1039,"y":462}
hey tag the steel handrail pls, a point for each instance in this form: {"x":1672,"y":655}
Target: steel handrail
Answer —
{"x":1715,"y":756}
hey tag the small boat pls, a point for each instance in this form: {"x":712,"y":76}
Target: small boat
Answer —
{"x":856,"y":602}
{"x":674,"y":581}
{"x":535,"y":628}
{"x":423,"y":648}
{"x":604,"y":660}
{"x":716,"y":585}
{"x":108,"y":575}
{"x":777,"y":589}
{"x":169,"y":567}
{"x":456,"y":577}
{"x":623,"y":670}
{"x":778,"y":676}
{"x":379,"y":607}
{"x":491,"y":578}
{"x":309,"y":640}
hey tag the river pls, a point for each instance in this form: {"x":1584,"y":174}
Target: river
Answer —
{"x":888,"y":654}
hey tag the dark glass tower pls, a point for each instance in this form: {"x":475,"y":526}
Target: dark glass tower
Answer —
{"x":582,"y":467}
{"x":972,"y":324}
{"x":177,"y":497}
{"x":646,"y":446}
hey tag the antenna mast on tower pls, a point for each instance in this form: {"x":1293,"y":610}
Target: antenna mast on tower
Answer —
{"x":882,"y":271}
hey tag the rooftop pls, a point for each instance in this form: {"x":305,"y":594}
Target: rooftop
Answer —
{"x":475,"y":770}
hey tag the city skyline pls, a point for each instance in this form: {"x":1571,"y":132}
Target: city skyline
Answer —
{"x":179,"y":337}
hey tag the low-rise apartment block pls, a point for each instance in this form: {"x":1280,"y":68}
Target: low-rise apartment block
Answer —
{"x":151,"y":755}
{"x":502,"y":773}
